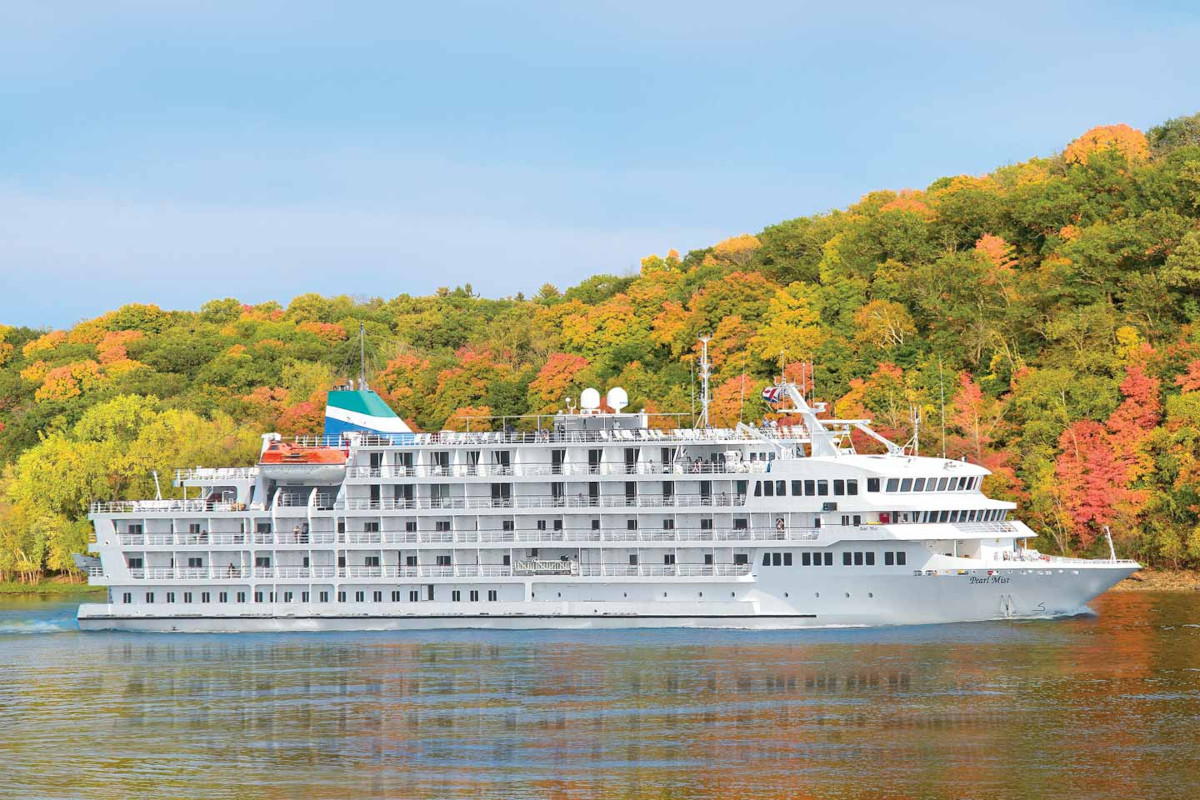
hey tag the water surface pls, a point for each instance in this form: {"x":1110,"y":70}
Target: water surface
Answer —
{"x":1104,"y":706}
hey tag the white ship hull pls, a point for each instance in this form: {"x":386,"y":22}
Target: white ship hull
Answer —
{"x":1026,"y":592}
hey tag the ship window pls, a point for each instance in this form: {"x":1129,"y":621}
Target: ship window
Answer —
{"x":414,"y":596}
{"x":919,"y":485}
{"x":135,"y":562}
{"x":741,"y":558}
{"x":906,"y":485}
{"x":341,"y":597}
{"x":889,"y":558}
{"x":787,"y":559}
{"x":360,"y":597}
{"x":766,"y":559}
{"x":633,"y":559}
{"x":258,"y":597}
{"x":901,"y":558}
{"x":631,"y":524}
{"x":595,"y":524}
{"x":777,"y":559}
{"x":506,"y":525}
{"x":931,"y":485}
{"x":223,"y":597}
{"x":872,"y":484}
{"x":810,"y":488}
{"x":822,"y":488}
{"x":492,"y":595}
{"x":706,"y":524}
{"x":858,"y":559}
{"x":846,"y":559}
{"x":806,"y":559}
{"x":187,"y":597}
{"x":870,"y":559}
{"x":852,"y":487}
{"x":668,"y":524}
{"x":441,"y":525}
{"x":781,"y":488}
{"x":456,"y":596}
{"x":127,"y":597}
{"x":371,"y":527}
{"x":558,"y":525}
{"x":304,"y":597}
{"x":541,"y":524}
{"x":444,"y":561}
{"x":241,"y":597}
{"x":378,"y":596}
{"x":708,"y":559}
{"x":194,"y":528}
{"x":829,"y":559}
{"x":205,"y":597}
{"x":410,"y":561}
{"x":287,"y":597}
{"x":195,"y":563}
{"x":341,"y":526}
{"x":943,"y":516}
{"x":953,"y":485}
{"x":395,"y":597}
{"x":324,"y":597}
{"x":741,"y":524}
{"x":474,"y":595}
{"x":262,"y":561}
{"x":506,"y":560}
{"x":758,"y":488}
{"x":669,"y":559}
{"x":839,"y":487}
{"x":893,"y":484}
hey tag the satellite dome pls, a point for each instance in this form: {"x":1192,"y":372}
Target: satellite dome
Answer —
{"x":617,"y":398}
{"x":589,"y":400}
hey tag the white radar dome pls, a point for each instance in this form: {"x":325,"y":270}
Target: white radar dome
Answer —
{"x":589,"y":400}
{"x":617,"y":398}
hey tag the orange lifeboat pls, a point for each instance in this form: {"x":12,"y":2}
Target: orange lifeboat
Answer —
{"x":292,"y":463}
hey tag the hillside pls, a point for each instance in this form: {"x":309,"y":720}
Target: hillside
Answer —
{"x":1053,"y":303}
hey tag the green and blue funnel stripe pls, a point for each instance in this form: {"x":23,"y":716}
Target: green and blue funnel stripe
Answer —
{"x":348,"y":410}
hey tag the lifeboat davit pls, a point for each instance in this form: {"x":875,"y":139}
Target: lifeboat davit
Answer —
{"x":291,"y":463}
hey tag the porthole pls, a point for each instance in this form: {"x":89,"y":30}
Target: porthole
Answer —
{"x":702,"y":594}
{"x":785,"y":594}
{"x":624,"y":594}
{"x":870,"y":594}
{"x":818,"y":594}
{"x":664,"y":594}
{"x":847,"y":595}
{"x":733,"y":594}
{"x":560,"y":594}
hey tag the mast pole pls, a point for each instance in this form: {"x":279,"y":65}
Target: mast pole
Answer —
{"x":705,"y":372}
{"x":362,"y":355}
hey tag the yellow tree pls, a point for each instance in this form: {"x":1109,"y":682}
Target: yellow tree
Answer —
{"x":791,"y":325}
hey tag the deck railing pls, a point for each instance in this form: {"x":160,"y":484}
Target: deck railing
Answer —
{"x":678,"y":468}
{"x":523,"y":569}
{"x":613,"y":436}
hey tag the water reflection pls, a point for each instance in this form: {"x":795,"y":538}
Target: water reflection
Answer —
{"x":1105,"y":706}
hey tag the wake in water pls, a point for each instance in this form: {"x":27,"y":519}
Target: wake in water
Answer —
{"x":37,"y":621}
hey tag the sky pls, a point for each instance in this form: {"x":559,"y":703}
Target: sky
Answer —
{"x":173,"y":153}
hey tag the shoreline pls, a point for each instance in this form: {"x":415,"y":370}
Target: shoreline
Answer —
{"x":1160,"y":580}
{"x":48,"y":587}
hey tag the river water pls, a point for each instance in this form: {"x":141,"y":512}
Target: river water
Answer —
{"x":1099,"y":706}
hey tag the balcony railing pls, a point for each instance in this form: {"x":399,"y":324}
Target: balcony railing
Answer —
{"x":680,"y":468}
{"x":614,"y":436}
{"x":715,"y":500}
{"x":579,"y":537}
{"x":523,"y":569}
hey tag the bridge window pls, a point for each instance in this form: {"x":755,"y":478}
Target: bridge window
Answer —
{"x":953,"y":485}
{"x":787,"y":559}
{"x":822,"y":488}
{"x":768,"y":488}
{"x":766,"y":559}
{"x":870,"y":559}
{"x":806,"y":559}
{"x":810,"y":488}
{"x":777,"y":559}
{"x":893,"y":484}
{"x":852,"y":487}
{"x":858,"y":559}
{"x":919,"y":485}
{"x":906,"y":485}
{"x":797,"y":488}
{"x":846,"y":557}
{"x":889,"y":558}
{"x":741,"y":558}
{"x":829,"y":559}
{"x":872,"y":484}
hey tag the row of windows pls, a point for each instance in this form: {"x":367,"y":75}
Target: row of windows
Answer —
{"x":812,"y":488}
{"x":963,"y":515}
{"x":414,"y":596}
{"x":926,"y":484}
{"x":849,"y":559}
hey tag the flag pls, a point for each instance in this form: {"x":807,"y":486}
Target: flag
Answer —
{"x":773,"y":394}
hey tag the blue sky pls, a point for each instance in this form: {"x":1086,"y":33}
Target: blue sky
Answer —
{"x":264,"y":149}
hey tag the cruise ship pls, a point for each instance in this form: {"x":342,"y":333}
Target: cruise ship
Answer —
{"x":596,"y":517}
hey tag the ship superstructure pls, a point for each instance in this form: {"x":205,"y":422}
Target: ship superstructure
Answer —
{"x":595,"y":517}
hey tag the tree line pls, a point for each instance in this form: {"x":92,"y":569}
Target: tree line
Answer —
{"x":1042,"y":318}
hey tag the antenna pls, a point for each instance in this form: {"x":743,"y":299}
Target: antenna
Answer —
{"x":589,"y":400}
{"x":942,"y":388}
{"x":617,"y":398}
{"x":915,"y":411}
{"x":362,"y":355}
{"x":705,"y":374}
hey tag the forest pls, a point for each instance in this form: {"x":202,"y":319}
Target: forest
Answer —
{"x":1044,"y":319}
